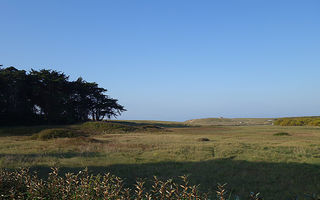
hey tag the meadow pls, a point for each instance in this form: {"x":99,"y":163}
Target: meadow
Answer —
{"x":280,"y":162}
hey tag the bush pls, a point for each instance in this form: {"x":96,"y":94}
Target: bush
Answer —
{"x":315,"y":122}
{"x":203,"y":139}
{"x":298,"y":121}
{"x":56,"y":133}
{"x":281,"y":134}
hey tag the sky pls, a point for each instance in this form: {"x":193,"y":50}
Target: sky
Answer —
{"x":176,"y":59}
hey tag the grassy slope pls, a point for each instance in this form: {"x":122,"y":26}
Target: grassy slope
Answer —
{"x":248,"y":158}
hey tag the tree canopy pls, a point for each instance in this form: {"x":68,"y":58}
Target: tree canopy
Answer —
{"x":48,"y":97}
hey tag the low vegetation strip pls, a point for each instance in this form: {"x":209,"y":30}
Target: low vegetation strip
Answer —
{"x":94,"y":128}
{"x":107,"y":127}
{"x":298,"y":121}
{"x":230,"y":121}
{"x":118,"y":127}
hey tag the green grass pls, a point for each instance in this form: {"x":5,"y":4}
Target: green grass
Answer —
{"x":248,"y":158}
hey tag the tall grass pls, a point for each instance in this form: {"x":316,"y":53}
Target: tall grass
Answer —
{"x":20,"y":184}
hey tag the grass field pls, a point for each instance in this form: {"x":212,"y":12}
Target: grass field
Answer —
{"x":279,"y":162}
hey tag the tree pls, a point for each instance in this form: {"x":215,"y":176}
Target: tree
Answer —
{"x":98,"y":105}
{"x":15,"y":97}
{"x":47,"y":96}
{"x":103,"y":106}
{"x":50,"y":94}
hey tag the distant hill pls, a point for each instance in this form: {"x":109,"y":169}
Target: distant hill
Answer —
{"x":231,"y":121}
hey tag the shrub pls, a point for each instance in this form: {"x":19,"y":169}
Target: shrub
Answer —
{"x":56,"y":133}
{"x":314,"y":122}
{"x":281,"y":134}
{"x":203,"y":139}
{"x":298,"y":121}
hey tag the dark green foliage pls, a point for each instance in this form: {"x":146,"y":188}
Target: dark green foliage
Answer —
{"x":48,"y":97}
{"x":281,"y":134}
{"x":298,"y":121}
{"x":50,"y":94}
{"x":56,"y":133}
{"x":15,"y":97}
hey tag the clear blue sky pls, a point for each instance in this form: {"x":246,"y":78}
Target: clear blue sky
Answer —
{"x":176,"y":60}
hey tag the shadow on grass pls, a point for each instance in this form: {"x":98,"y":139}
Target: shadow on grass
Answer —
{"x":24,"y":130}
{"x":29,"y":130}
{"x":272,"y":180}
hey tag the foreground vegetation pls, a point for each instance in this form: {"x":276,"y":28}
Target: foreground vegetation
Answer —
{"x":280,"y":162}
{"x":20,"y":184}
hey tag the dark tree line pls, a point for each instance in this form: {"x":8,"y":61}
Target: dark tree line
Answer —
{"x":48,"y":97}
